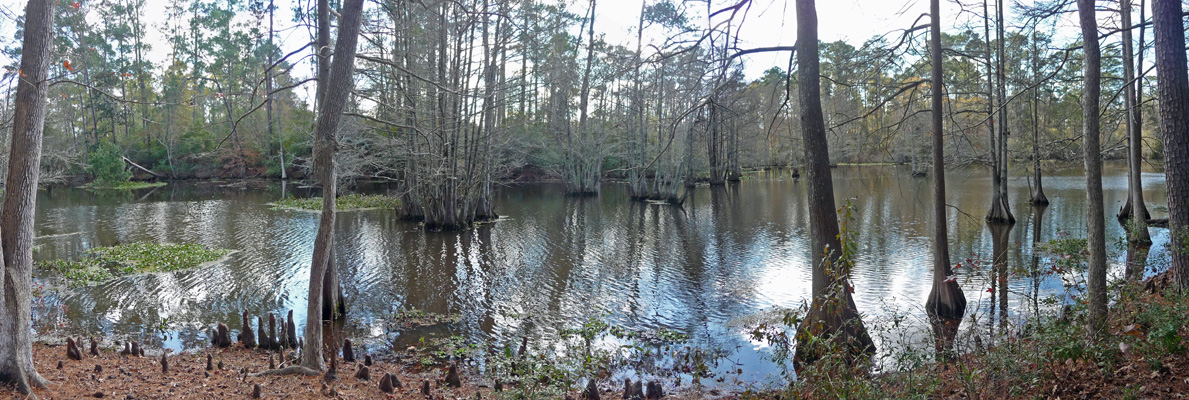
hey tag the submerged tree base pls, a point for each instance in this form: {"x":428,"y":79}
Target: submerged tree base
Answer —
{"x":1039,"y":199}
{"x":833,"y":335}
{"x":946,"y":301}
{"x":1000,"y":212}
{"x":1049,"y":358}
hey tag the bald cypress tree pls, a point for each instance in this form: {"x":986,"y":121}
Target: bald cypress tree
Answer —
{"x":832,"y":313}
{"x":946,"y":303}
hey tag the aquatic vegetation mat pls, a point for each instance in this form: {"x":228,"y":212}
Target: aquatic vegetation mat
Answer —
{"x":103,"y":263}
{"x":343,"y":203}
{"x":124,"y":185}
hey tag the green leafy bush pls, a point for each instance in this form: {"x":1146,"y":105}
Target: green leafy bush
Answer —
{"x":106,"y":163}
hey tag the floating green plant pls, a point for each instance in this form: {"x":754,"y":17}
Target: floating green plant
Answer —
{"x":343,"y":203}
{"x":103,"y":263}
{"x":126,"y":185}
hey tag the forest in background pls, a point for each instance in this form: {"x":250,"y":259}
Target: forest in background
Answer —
{"x":485,"y":90}
{"x":430,"y":103}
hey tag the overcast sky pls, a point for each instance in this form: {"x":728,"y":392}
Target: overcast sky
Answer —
{"x":767,"y":23}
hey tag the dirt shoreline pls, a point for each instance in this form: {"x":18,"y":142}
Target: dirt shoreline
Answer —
{"x":128,"y":377}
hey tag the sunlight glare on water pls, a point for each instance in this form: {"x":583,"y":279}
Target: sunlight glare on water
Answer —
{"x":553,"y":262}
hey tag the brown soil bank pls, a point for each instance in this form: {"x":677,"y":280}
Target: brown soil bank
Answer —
{"x":115,"y":376}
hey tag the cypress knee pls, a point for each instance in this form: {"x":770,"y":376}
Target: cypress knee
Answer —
{"x":452,"y":378}
{"x":272,"y":332}
{"x":246,"y":336}
{"x":222,"y":338}
{"x":655,"y":391}
{"x":348,"y":352}
{"x":291,"y":331}
{"x":72,"y":351}
{"x":261,"y":334}
{"x":386,"y":383}
{"x":592,"y":390}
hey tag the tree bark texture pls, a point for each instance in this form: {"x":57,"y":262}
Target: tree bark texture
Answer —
{"x":20,"y":199}
{"x":946,"y":303}
{"x":1138,"y":229}
{"x":1173,"y":89}
{"x":338,"y":86}
{"x":1095,"y":220}
{"x":832,"y":313}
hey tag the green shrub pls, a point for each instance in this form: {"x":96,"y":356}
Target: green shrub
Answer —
{"x":106,"y":163}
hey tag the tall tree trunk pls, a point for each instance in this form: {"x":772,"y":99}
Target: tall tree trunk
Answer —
{"x":1137,"y":232}
{"x":20,"y":200}
{"x":946,"y":303}
{"x":637,"y":175}
{"x":832,"y":313}
{"x":485,"y":208}
{"x":1038,"y":197}
{"x":338,"y":86}
{"x":332,"y":299}
{"x":138,"y":34}
{"x":269,"y":95}
{"x":1000,"y":211}
{"x":1004,"y":129}
{"x":323,"y":43}
{"x":1173,"y":89}
{"x":1095,"y":221}
{"x":587,"y":157}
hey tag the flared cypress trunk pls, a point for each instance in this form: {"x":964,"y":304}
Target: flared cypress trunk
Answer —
{"x":946,"y":303}
{"x":832,"y":314}
{"x":1137,"y":231}
{"x":1038,"y":196}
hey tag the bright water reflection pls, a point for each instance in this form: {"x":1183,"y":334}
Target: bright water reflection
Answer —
{"x":554,"y":261}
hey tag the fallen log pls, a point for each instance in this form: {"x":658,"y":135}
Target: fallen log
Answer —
{"x":137,"y":166}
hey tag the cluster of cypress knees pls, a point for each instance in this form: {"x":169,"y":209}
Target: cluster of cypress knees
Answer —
{"x":287,"y":338}
{"x":221,"y":337}
{"x":631,"y":391}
